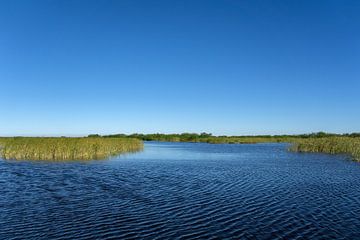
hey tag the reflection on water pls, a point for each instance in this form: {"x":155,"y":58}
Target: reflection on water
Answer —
{"x":184,"y":191}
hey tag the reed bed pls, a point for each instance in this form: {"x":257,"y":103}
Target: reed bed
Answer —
{"x":61,"y":149}
{"x":332,"y":145}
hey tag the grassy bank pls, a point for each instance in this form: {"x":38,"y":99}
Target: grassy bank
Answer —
{"x":332,"y":145}
{"x":26,"y":148}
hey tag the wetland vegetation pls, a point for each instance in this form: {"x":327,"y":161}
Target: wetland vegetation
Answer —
{"x":59,"y":149}
{"x":331,"y":145}
{"x":100,"y":147}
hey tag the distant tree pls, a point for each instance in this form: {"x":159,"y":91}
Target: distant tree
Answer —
{"x":323,"y":134}
{"x":93,"y":135}
{"x":205,"y":135}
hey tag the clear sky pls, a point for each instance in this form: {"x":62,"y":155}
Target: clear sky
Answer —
{"x":227,"y":67}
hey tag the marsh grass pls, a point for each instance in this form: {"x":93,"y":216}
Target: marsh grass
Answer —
{"x":331,"y":145}
{"x":60,"y":149}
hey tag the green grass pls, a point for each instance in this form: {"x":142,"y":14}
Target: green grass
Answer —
{"x":331,"y":145}
{"x":59,"y":149}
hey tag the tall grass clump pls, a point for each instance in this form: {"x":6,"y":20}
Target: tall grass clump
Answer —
{"x":27,"y":148}
{"x":332,"y":145}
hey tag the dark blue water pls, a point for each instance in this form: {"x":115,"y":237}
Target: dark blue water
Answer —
{"x":184,"y":191}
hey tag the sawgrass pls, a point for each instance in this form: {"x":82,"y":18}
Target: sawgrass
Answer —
{"x":59,"y":149}
{"x":331,"y":145}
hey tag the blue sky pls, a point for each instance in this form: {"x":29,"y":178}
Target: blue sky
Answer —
{"x":226,"y":67}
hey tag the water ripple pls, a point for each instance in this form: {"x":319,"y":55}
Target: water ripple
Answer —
{"x":184,"y":191}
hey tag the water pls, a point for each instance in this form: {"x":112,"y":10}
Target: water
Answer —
{"x":184,"y":191}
